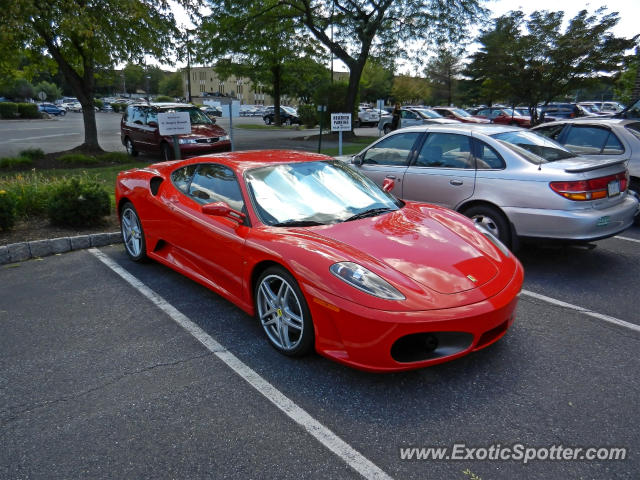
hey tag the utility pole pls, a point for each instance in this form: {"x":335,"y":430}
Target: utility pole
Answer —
{"x":188,"y":69}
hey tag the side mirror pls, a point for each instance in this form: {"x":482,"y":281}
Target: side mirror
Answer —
{"x":357,"y":160}
{"x":153,"y":124}
{"x":222,"y":209}
{"x":388,"y":184}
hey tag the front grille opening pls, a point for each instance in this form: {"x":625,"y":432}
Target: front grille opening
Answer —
{"x":492,"y":335}
{"x":429,"y":345}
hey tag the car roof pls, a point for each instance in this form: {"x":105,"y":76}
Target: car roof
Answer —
{"x":592,"y":121}
{"x":162,"y":104}
{"x":242,"y":161}
{"x":485,"y":128}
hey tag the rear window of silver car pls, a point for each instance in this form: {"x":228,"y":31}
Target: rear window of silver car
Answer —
{"x":533,"y":147}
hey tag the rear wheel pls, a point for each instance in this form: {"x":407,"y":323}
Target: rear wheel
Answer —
{"x":287,"y":122}
{"x":634,"y":185}
{"x":267,"y":120}
{"x":386,"y":129}
{"x":132,"y":233}
{"x":131,"y":150}
{"x":493,"y":220}
{"x":283,"y":312}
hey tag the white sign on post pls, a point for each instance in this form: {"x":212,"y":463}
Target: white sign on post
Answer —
{"x":174,"y":123}
{"x":340,"y":122}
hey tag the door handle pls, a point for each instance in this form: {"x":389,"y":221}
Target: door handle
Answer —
{"x":456,"y":182}
{"x":392,"y":177}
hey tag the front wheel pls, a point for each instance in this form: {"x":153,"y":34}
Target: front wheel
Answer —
{"x":287,"y":122}
{"x":491,"y":219}
{"x":131,"y":150}
{"x":386,"y":129}
{"x":267,"y":120}
{"x":132,"y":233}
{"x":283,"y":312}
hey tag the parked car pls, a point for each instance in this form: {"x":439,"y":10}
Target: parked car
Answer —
{"x":599,"y":138}
{"x":607,"y":107}
{"x":459,"y":114}
{"x":324,"y":258}
{"x":212,"y":111}
{"x":288,"y":116}
{"x":52,"y":109}
{"x":139,"y":131}
{"x":410,"y":117}
{"x":505,"y":116}
{"x":366,"y":116}
{"x":515,"y":182}
{"x":556,"y":111}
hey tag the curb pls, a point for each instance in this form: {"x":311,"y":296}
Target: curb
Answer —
{"x":19,"y":252}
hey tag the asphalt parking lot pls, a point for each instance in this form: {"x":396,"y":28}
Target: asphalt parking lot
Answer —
{"x":102,"y":377}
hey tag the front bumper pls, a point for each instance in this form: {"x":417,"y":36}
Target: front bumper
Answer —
{"x":580,"y":225}
{"x":384,"y":341}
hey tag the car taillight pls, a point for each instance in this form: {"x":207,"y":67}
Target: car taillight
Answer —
{"x":592,"y":189}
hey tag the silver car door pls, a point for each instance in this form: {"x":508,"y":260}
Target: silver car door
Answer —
{"x":443,"y":172}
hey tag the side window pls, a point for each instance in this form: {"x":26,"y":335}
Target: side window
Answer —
{"x":216,"y":183}
{"x":152,"y":116}
{"x":587,"y":140}
{"x":182,"y":177}
{"x":393,"y":150}
{"x":445,"y":150}
{"x":551,"y":132}
{"x":138,"y":116}
{"x":487,"y":158}
{"x":407,"y":114}
{"x":613,"y":146}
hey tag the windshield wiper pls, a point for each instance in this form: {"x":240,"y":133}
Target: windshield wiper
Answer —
{"x":297,"y":223}
{"x":369,"y":213}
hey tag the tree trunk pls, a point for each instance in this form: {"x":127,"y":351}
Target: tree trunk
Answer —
{"x":355,"y":73}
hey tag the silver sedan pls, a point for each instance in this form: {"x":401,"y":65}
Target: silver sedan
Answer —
{"x":514,"y":182}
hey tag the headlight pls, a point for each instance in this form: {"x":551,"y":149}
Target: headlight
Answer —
{"x":493,"y":239}
{"x":359,"y":277}
{"x":186,"y":140}
{"x":225,"y":137}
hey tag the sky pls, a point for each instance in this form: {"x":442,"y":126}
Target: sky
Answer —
{"x":628,"y":10}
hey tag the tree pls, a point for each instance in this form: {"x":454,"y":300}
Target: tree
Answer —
{"x":51,"y":90}
{"x":410,"y":89}
{"x":533,"y":61}
{"x":84,"y":37}
{"x":376,"y":81}
{"x":171,"y":85}
{"x":442,"y":71}
{"x":253,"y":44}
{"x":354,"y":29}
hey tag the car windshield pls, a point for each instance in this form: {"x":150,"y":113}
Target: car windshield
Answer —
{"x":197,"y":116}
{"x":426,"y":113}
{"x":534,"y":147}
{"x":289,"y":110}
{"x":315,"y":193}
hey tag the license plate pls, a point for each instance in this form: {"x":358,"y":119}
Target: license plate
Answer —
{"x":613,"y":188}
{"x":603,"y":221}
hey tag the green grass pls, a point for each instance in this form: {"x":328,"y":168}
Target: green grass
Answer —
{"x":252,"y":126}
{"x":355,"y":145}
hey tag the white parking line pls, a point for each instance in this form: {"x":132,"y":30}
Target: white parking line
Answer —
{"x":352,"y":457}
{"x":38,"y":137}
{"x":628,"y":239}
{"x":585,"y":311}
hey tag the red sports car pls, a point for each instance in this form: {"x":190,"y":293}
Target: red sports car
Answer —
{"x":324,"y":258}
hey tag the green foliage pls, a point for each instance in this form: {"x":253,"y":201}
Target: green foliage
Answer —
{"x":15,"y":163}
{"x":52,"y":91}
{"x":119,"y":107}
{"x":78,"y":202}
{"x":533,"y":61}
{"x":333,"y":97}
{"x":409,"y":89}
{"x":308,"y":115}
{"x":32,"y":153}
{"x":31,"y":193}
{"x":8,"y":110}
{"x":114,"y":157}
{"x":376,"y":82}
{"x":442,"y":72}
{"x":164,"y":98}
{"x":72,"y":159}
{"x":171,"y":85}
{"x":98,"y":103}
{"x":28,"y":110}
{"x":7,"y":210}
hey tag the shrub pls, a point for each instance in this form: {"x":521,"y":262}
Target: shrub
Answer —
{"x":7,"y":211}
{"x":119,"y":107}
{"x":9,"y":110}
{"x":114,"y":157}
{"x":30,"y":191}
{"x":98,"y":103}
{"x":32,"y":153}
{"x":164,"y":98}
{"x":77,"y":159}
{"x":28,"y":110}
{"x":11,"y":163}
{"x":78,"y":202}
{"x":308,"y":115}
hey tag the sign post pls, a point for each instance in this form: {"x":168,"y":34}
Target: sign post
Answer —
{"x":340,"y":122}
{"x":174,"y":124}
{"x":380,"y":106}
{"x":321,"y":109}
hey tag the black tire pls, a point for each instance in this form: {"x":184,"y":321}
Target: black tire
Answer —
{"x":131,"y":150}
{"x":493,"y":220}
{"x":278,"y":313}
{"x":167,"y":153}
{"x":634,"y":185}
{"x":267,"y":120}
{"x":132,"y":232}
{"x":287,"y":122}
{"x":356,"y":123}
{"x":386,"y":129}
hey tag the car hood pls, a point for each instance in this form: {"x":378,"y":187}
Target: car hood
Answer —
{"x":205,"y":131}
{"x":432,"y":249}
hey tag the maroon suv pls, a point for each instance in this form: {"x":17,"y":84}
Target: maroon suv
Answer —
{"x":139,"y":132}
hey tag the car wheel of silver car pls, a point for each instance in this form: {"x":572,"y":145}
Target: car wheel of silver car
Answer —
{"x":493,"y":220}
{"x":267,"y":121}
{"x":386,"y":129}
{"x":132,"y":233}
{"x":283,"y":312}
{"x":131,"y":150}
{"x":635,"y":186}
